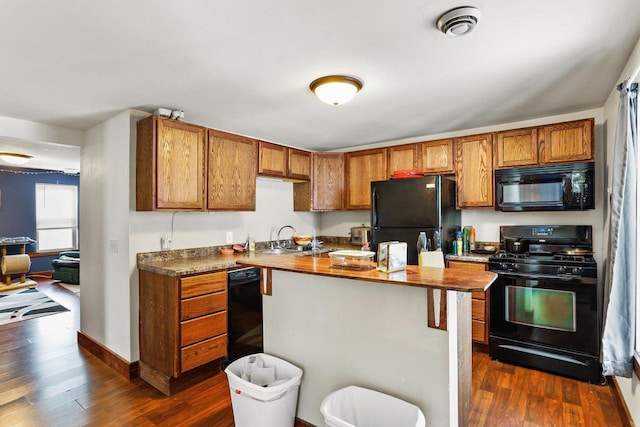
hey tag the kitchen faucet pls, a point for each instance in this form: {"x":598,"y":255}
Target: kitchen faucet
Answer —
{"x":282,"y":228}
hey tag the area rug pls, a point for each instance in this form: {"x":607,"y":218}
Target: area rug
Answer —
{"x":71,"y":287}
{"x":23,"y":304}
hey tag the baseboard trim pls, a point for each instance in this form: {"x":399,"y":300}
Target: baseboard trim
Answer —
{"x":128,"y":370}
{"x":622,"y":406}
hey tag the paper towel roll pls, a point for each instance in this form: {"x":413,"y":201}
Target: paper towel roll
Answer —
{"x":16,"y":264}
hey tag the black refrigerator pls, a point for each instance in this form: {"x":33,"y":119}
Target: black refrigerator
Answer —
{"x":402,"y":208}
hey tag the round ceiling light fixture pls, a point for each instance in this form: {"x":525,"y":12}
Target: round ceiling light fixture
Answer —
{"x":336,"y":90}
{"x":15,"y":158}
{"x":459,"y":21}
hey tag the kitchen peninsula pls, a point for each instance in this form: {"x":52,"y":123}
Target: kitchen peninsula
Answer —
{"x":358,"y":327}
{"x":369,"y":328}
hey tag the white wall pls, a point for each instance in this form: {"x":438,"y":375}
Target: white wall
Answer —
{"x":630,"y":387}
{"x":23,"y":130}
{"x":105,"y":305}
{"x":387,"y":346}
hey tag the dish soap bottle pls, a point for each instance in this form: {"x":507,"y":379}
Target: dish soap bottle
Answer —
{"x":252,"y":243}
{"x":459,"y":245}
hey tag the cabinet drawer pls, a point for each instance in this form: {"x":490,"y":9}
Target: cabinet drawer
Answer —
{"x":201,"y":328}
{"x":203,"y":304}
{"x":477,"y":310}
{"x":478,"y":331}
{"x":203,"y":352}
{"x":203,"y":284}
{"x":479,"y":295}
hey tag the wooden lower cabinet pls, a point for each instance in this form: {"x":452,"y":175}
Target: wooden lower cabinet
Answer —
{"x":479,"y":304}
{"x":183,"y":328}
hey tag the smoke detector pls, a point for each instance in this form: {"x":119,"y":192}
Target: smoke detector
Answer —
{"x":459,"y":21}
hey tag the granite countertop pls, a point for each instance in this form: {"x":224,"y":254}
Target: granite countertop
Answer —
{"x":185,"y":262}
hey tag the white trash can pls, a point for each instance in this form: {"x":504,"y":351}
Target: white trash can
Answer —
{"x":257,"y":405}
{"x":360,"y":407}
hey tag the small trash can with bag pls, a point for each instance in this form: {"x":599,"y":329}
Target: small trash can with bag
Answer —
{"x":264,"y":391}
{"x":357,"y":406}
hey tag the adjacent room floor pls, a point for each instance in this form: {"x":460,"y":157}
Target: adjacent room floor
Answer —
{"x":46,"y":379}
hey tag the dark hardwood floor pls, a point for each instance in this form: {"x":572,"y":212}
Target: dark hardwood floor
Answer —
{"x":47,"y":380}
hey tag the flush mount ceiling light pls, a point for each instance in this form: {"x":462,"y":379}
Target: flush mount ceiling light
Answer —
{"x":15,"y":158}
{"x":335,"y":90}
{"x":459,"y":21}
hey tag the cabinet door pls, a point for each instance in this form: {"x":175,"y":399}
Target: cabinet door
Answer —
{"x":517,"y":148}
{"x":299,"y":164}
{"x":180,"y":165}
{"x":272,"y":160}
{"x":474,"y":171}
{"x":170,"y":165}
{"x":231,"y":172}
{"x":437,"y":156}
{"x":328,"y":181}
{"x":325,"y":191}
{"x":567,"y":142}
{"x":363,"y":167}
{"x":403,"y":158}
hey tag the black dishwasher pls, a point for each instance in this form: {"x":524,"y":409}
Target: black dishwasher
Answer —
{"x":244,"y":312}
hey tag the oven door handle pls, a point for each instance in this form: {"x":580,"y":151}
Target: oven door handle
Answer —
{"x":539,"y":277}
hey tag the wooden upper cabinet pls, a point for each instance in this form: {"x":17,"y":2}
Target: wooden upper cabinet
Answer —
{"x":232,"y":171}
{"x":437,"y":156}
{"x":474,"y":171}
{"x":273,"y":160}
{"x":170,"y":165}
{"x":299,"y":164}
{"x":325,"y":191}
{"x":363,"y":167}
{"x":403,"y":158}
{"x":517,"y":148}
{"x":567,"y":142}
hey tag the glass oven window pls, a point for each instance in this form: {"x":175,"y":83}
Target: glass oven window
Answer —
{"x":545,"y":192}
{"x":541,"y":308}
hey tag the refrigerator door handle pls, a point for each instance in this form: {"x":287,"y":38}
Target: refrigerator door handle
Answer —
{"x":374,"y":208}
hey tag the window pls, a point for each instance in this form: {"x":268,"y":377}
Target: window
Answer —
{"x":56,"y":217}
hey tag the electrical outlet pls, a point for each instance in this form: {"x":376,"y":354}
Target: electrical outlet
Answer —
{"x":229,"y":237}
{"x":165,"y":242}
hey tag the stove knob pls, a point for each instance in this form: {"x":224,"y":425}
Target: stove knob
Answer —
{"x":562,"y":270}
{"x":515,"y":267}
{"x":504,"y":266}
{"x":577,"y":271}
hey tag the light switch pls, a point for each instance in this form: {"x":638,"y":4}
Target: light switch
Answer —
{"x":113,"y":245}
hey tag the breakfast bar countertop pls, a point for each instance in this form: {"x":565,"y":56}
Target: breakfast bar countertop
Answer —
{"x":424,"y":277}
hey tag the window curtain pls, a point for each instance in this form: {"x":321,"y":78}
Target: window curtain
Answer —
{"x":619,"y":327}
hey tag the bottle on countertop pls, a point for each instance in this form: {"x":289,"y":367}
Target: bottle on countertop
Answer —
{"x":472,"y":239}
{"x":459,"y":244}
{"x":465,"y":239}
{"x":251,"y":243}
{"x":437,"y":243}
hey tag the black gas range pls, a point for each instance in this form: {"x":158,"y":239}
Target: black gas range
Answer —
{"x":545,"y":306}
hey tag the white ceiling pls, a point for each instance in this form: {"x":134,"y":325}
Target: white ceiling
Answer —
{"x":245,"y":66}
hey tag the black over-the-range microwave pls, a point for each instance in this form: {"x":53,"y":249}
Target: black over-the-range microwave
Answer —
{"x":546,"y":188}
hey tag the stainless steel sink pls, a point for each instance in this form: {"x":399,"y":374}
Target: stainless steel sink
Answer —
{"x":292,"y":251}
{"x":279,"y":251}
